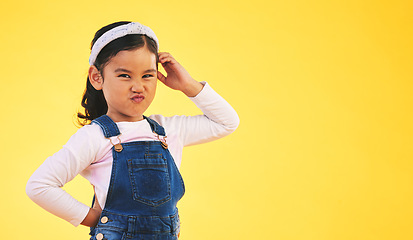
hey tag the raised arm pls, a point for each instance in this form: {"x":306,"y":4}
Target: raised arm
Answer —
{"x":177,"y":77}
{"x":219,"y":118}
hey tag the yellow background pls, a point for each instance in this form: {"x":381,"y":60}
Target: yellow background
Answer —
{"x":323,"y":90}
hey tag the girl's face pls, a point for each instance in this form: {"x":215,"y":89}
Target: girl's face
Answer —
{"x":129,"y":84}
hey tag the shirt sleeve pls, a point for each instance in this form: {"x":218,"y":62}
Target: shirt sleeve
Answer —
{"x":44,"y":186}
{"x":219,"y":119}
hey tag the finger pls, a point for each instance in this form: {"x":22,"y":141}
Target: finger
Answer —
{"x":161,"y":77}
{"x":166,"y":58}
{"x":162,"y":55}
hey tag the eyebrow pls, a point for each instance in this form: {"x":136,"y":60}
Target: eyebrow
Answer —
{"x":150,"y":70}
{"x":126,"y":70}
{"x":122,"y":70}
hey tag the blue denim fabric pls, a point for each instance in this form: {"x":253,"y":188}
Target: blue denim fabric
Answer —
{"x":144,"y":189}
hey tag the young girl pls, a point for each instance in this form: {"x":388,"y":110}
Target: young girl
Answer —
{"x":131,"y":160}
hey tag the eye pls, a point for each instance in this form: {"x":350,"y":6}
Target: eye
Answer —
{"x":147,"y":76}
{"x":124,"y":76}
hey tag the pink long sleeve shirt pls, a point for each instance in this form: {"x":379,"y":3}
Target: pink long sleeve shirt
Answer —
{"x":89,"y":154}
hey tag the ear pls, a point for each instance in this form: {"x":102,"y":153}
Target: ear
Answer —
{"x":95,"y":78}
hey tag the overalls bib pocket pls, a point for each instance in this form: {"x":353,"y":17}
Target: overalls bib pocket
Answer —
{"x":149,"y":179}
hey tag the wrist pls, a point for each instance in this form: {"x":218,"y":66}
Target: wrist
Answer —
{"x":192,"y":89}
{"x":91,"y":218}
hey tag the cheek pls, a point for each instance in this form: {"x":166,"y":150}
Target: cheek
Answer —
{"x":151,"y":90}
{"x":151,"y":85}
{"x":113,"y":91}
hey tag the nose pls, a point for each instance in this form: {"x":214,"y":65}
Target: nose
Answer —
{"x":137,"y":86}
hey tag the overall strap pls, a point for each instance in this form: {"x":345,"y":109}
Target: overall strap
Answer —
{"x":109,"y":127}
{"x":158,"y":129}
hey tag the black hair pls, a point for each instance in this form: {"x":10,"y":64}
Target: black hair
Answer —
{"x":93,"y":100}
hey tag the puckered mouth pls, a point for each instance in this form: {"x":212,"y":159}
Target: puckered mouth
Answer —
{"x":138,"y":98}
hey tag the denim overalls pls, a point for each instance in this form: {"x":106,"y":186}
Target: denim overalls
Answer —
{"x":145,"y":186}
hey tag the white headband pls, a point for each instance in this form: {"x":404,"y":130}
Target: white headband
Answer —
{"x":118,"y":32}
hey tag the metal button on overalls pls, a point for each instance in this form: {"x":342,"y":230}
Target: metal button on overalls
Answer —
{"x":99,"y":236}
{"x":104,"y":219}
